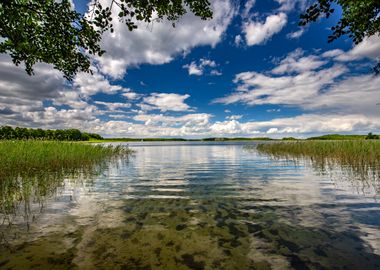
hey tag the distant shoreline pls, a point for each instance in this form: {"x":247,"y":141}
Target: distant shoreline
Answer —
{"x":224,"y":139}
{"x":20,"y":133}
{"x":180,"y":139}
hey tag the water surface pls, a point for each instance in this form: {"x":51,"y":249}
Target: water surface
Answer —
{"x":197,"y":206}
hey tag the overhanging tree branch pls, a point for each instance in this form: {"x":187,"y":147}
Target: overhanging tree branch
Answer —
{"x":52,"y":32}
{"x":359,"y":20}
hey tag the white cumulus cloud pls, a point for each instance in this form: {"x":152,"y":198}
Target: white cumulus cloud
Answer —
{"x":296,"y":62}
{"x":368,"y":48}
{"x":166,"y":102}
{"x":203,"y":65}
{"x":159,"y":43}
{"x":309,"y":82}
{"x":257,"y":32}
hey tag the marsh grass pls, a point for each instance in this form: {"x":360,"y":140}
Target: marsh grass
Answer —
{"x":31,"y":171}
{"x":356,"y":162}
{"x":356,"y":153}
{"x":20,"y":158}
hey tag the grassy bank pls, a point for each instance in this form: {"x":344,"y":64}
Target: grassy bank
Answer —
{"x":349,"y":152}
{"x":27,"y":158}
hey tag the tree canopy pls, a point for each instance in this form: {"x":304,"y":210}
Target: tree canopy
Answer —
{"x":53,"y":32}
{"x":360,"y":19}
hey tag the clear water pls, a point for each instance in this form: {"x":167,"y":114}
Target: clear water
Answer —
{"x":197,"y":206}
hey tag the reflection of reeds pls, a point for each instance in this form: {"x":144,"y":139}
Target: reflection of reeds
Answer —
{"x":32,"y":171}
{"x":355,"y":160}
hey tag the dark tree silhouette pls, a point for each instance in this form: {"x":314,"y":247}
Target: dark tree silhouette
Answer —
{"x":53,"y":32}
{"x":18,"y":133}
{"x":360,"y":19}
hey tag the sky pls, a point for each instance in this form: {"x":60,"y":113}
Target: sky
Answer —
{"x":251,"y":71}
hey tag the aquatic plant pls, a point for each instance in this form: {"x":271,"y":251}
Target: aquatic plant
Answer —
{"x":350,"y":152}
{"x":33,"y":170}
{"x":356,"y":160}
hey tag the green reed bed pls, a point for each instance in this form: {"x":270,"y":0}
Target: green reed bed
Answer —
{"x":30,"y":157}
{"x":350,"y":152}
{"x":33,"y":170}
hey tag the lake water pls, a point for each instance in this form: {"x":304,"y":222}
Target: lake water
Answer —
{"x":197,"y":206}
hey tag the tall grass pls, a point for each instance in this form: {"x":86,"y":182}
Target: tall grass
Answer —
{"x":31,"y":171}
{"x":31,"y":157}
{"x":353,"y":153}
{"x":354,"y":163}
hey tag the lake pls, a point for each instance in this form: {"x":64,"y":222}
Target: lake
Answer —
{"x":196,"y":205}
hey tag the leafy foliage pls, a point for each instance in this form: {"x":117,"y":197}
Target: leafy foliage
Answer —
{"x":53,"y":32}
{"x":359,"y":19}
{"x":9,"y":133}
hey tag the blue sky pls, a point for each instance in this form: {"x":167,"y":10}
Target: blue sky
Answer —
{"x":250,"y":71}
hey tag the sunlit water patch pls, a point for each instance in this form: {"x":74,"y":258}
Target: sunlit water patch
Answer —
{"x":198,"y":206}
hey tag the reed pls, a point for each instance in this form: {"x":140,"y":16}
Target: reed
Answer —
{"x":31,"y":157}
{"x":32,"y":171}
{"x":350,"y":152}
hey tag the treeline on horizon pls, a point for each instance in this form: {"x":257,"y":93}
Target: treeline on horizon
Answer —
{"x":369,"y":136}
{"x":72,"y":134}
{"x":188,"y":140}
{"x":332,"y":137}
{"x":19,"y":133}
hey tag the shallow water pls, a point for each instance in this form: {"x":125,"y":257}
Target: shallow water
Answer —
{"x":198,"y":206}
